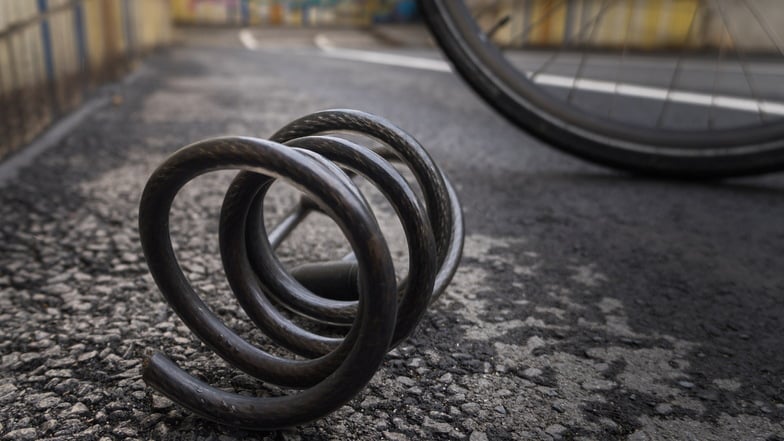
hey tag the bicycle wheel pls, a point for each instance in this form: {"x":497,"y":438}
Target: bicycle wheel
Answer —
{"x":629,"y":84}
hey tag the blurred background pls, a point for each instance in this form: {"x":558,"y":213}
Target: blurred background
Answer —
{"x":657,"y":24}
{"x":52,"y":52}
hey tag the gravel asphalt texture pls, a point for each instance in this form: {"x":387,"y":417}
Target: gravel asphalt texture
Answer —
{"x":589,"y":305}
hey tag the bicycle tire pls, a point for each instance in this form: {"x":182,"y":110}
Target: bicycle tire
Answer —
{"x":732,"y":152}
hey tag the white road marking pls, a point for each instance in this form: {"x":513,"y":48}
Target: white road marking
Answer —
{"x":323,"y":43}
{"x":248,"y":40}
{"x":677,"y":96}
{"x":599,"y":86}
{"x":651,"y":63}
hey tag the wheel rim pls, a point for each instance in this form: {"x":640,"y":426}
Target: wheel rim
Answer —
{"x":659,"y":140}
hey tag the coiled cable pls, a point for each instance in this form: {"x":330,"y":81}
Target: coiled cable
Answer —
{"x":360,"y":291}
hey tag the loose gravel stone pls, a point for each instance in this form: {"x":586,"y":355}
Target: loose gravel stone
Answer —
{"x":470,"y":408}
{"x":59,"y":373}
{"x":532,"y":372}
{"x":477,"y":436}
{"x":406,"y":381}
{"x":7,"y":392}
{"x":77,"y":409}
{"x":25,"y":434}
{"x":124,"y":432}
{"x":369,"y":402}
{"x":598,"y":385}
{"x":555,"y":430}
{"x":160,"y":431}
{"x":160,"y":402}
{"x":416,"y":390}
{"x":436,"y":426}
{"x":446,"y":378}
{"x":47,"y":403}
{"x":87,"y":356}
{"x":639,"y":435}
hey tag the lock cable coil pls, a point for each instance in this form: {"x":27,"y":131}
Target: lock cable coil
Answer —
{"x":359,"y":293}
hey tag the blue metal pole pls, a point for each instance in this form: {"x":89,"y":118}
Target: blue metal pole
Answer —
{"x":81,"y":41}
{"x":46,"y":41}
{"x":245,"y":8}
{"x":130,"y":36}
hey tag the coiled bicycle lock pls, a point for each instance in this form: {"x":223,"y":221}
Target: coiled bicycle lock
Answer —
{"x":360,"y":292}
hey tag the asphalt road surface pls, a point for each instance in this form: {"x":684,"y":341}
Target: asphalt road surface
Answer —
{"x":590,"y":304}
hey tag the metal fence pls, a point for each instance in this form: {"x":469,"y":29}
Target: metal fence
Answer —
{"x":292,"y":12}
{"x":53,"y":51}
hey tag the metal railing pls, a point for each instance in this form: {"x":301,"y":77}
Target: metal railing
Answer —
{"x":52,"y":52}
{"x":291,"y":12}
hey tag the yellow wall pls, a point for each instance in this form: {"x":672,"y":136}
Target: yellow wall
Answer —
{"x":273,"y":12}
{"x":33,"y":91}
{"x":640,"y":24}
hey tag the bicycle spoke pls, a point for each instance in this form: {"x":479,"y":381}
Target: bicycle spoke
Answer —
{"x":676,"y":74}
{"x":715,"y":82}
{"x":606,"y":5}
{"x":531,"y":26}
{"x":772,"y":34}
{"x":743,"y":65}
{"x":583,"y":60}
{"x":769,"y":31}
{"x":499,"y":24}
{"x":624,"y":51}
{"x":481,"y":11}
